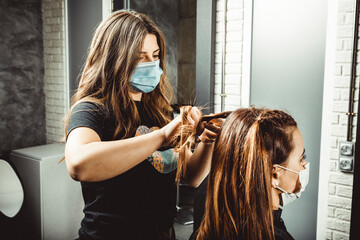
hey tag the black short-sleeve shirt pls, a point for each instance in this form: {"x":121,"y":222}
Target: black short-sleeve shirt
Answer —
{"x":137,"y":204}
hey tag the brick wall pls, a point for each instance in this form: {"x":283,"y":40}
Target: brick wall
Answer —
{"x":54,"y":74}
{"x":340,"y":184}
{"x":234,"y":53}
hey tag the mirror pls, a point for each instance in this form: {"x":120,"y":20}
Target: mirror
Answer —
{"x":11,"y":190}
{"x":177,"y":21}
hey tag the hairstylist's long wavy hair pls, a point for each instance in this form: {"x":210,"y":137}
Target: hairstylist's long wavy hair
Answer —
{"x":239,"y":200}
{"x":112,"y":58}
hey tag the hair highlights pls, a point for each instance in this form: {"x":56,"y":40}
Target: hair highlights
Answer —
{"x":239,"y":200}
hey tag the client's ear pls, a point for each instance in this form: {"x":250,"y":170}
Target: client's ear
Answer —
{"x":276,"y":172}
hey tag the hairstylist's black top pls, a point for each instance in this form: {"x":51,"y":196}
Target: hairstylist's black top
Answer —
{"x":279,"y":228}
{"x":137,"y":204}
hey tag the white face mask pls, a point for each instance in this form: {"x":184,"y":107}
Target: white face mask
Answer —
{"x":304,"y":180}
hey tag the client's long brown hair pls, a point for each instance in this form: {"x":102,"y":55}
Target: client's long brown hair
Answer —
{"x":239,"y":200}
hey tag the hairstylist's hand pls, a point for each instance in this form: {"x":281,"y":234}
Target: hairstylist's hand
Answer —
{"x":172,"y":128}
{"x":211,"y":130}
{"x":194,"y":116}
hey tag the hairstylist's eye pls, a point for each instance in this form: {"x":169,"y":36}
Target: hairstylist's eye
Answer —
{"x":141,"y":59}
{"x":156,"y":57}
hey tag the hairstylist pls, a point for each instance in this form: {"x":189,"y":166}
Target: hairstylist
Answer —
{"x":118,"y":131}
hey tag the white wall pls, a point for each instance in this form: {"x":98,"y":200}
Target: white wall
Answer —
{"x":337,"y":80}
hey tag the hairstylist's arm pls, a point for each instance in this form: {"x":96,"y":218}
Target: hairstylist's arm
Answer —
{"x":198,"y":165}
{"x":89,"y":159}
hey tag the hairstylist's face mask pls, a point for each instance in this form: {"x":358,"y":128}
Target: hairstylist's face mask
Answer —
{"x":146,"y":76}
{"x":304,"y":180}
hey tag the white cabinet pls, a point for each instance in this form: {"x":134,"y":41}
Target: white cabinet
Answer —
{"x":53,"y":201}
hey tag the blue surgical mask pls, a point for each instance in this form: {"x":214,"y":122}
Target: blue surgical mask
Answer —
{"x":146,"y":76}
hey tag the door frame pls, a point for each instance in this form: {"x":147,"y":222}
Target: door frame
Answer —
{"x":247,"y":47}
{"x":322,"y":211}
{"x":355,"y":207}
{"x":106,"y":11}
{"x":205,"y":54}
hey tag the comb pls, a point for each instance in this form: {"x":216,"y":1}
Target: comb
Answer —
{"x":206,"y":118}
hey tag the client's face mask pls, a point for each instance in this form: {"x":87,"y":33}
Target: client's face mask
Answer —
{"x":304,"y":180}
{"x":146,"y":76}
